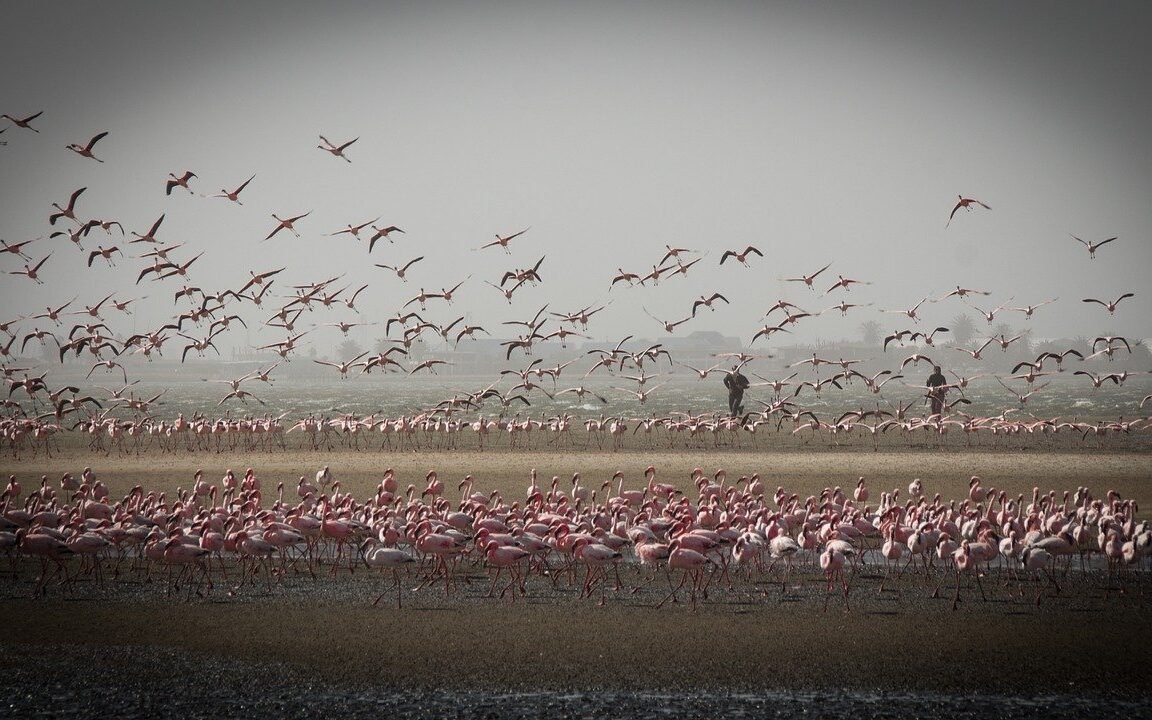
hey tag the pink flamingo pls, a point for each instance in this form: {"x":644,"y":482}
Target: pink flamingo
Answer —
{"x":386,"y":558}
{"x":86,"y":150}
{"x":234,"y":195}
{"x":692,"y":562}
{"x":334,"y":149}
{"x":965,"y":203}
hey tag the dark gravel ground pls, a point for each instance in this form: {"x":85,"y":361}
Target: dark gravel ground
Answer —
{"x":156,"y":683}
{"x":314,"y":647}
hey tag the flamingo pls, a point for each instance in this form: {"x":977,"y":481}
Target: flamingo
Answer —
{"x":353,"y":230}
{"x":69,"y":211}
{"x":808,"y":279}
{"x":16,"y":248}
{"x":503,"y":241}
{"x":400,"y":270}
{"x":86,"y":150}
{"x":832,"y":562}
{"x":104,"y":252}
{"x":382,"y":233}
{"x":1110,"y":305}
{"x":622,"y":276}
{"x":32,"y":272}
{"x":707,"y":302}
{"x":336,"y":150}
{"x":286,"y":224}
{"x":1028,"y":310}
{"x":692,"y":562}
{"x":386,"y":558}
{"x":181,"y":181}
{"x":234,"y":195}
{"x":150,"y":236}
{"x":1092,"y":246}
{"x":669,"y":325}
{"x":741,"y":257}
{"x":25,"y":122}
{"x":965,"y":203}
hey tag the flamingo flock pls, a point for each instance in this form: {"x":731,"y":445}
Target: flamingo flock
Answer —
{"x":40,"y":407}
{"x":706,"y":535}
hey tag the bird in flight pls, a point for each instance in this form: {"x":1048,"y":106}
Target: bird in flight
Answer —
{"x":669,"y":326}
{"x":181,"y":181}
{"x":741,"y":257}
{"x":965,"y":203}
{"x":336,"y":150}
{"x":503,"y":241}
{"x":382,"y":233}
{"x":234,"y":196}
{"x":1092,"y":246}
{"x":25,"y":122}
{"x":1110,"y":305}
{"x":286,"y":224}
{"x":353,"y":230}
{"x":86,"y":150}
{"x":809,"y":279}
{"x":400,"y":269}
{"x":707,"y":302}
{"x":66,"y":212}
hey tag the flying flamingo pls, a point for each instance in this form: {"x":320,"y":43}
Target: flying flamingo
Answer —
{"x":669,"y":326}
{"x":258,"y":278}
{"x":181,"y":181}
{"x":234,"y":195}
{"x":965,"y":203}
{"x":845,"y":283}
{"x":86,"y":150}
{"x":286,"y":224}
{"x":105,"y":225}
{"x":25,"y":123}
{"x":707,"y":302}
{"x":336,"y":150}
{"x":104,"y":252}
{"x":1110,"y":305}
{"x":16,"y":248}
{"x":1092,"y":246}
{"x":32,"y":271}
{"x":353,"y":230}
{"x":503,"y":241}
{"x":741,"y":257}
{"x":150,"y":236}
{"x":66,"y":212}
{"x":1028,"y":310}
{"x":809,"y":279}
{"x":400,"y":269}
{"x":382,"y":233}
{"x":622,"y":276}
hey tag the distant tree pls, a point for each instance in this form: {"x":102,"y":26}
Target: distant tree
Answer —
{"x":870,"y":332}
{"x":963,"y":330}
{"x":348,"y":350}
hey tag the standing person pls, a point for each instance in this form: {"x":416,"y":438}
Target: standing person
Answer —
{"x":937,"y":389}
{"x":736,"y":384}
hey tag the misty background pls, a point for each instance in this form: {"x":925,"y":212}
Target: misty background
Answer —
{"x":830,"y":133}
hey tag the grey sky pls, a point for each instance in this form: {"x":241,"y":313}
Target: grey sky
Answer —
{"x":818,"y":132}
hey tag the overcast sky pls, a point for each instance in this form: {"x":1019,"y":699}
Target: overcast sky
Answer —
{"x":819,"y":133}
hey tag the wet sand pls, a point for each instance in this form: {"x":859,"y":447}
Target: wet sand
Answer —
{"x":747,"y":637}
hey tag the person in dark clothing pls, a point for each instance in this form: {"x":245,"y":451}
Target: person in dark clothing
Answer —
{"x":736,"y":384}
{"x":937,"y":389}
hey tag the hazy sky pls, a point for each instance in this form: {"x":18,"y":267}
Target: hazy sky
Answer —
{"x":818,"y":132}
